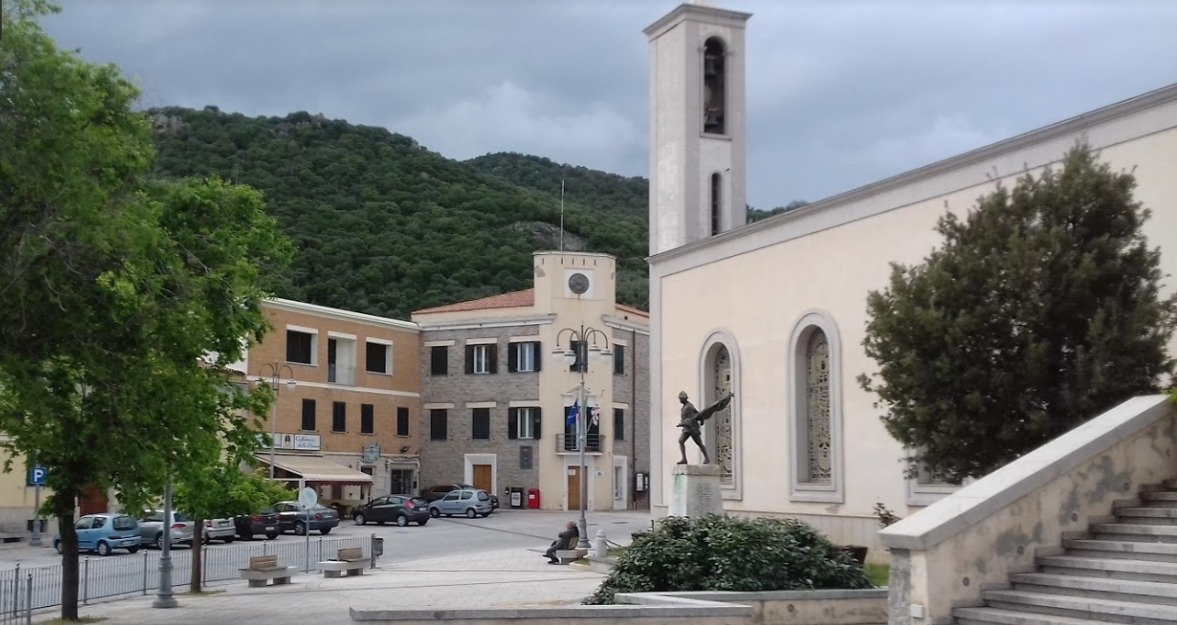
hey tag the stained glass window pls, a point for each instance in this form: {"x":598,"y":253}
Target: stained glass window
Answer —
{"x":723,"y":448}
{"x":817,"y":383}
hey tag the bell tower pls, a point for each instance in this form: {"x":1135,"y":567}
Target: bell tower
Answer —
{"x":697,"y":140}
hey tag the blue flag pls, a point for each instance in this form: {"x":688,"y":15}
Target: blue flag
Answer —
{"x":571,"y":418}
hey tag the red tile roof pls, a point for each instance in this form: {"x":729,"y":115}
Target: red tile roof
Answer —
{"x":633,"y":311}
{"x":514,"y":299}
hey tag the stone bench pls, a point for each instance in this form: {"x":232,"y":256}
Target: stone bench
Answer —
{"x":568,"y":556}
{"x":265,"y":569}
{"x":350,"y":561}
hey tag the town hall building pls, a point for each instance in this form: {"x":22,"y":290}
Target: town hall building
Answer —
{"x":775,"y":311}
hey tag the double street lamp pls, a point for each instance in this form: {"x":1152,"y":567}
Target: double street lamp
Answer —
{"x":583,"y":342}
{"x":276,"y":369}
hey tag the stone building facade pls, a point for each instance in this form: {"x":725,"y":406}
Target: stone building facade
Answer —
{"x":500,"y":376}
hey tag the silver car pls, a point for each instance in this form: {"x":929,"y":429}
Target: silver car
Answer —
{"x":471,"y":502}
{"x":152,"y":524}
{"x":224,"y":530}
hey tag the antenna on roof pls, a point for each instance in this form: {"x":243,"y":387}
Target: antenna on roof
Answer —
{"x":561,"y":214}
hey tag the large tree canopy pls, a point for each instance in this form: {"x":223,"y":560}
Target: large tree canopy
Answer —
{"x":1042,"y":308}
{"x":123,"y":297}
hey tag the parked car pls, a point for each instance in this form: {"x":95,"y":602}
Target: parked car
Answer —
{"x":102,"y":533}
{"x":291,"y":517}
{"x":437,"y":492}
{"x":151,"y":526}
{"x":399,"y":509}
{"x":264,"y":522}
{"x":467,"y":501}
{"x":218,"y":529}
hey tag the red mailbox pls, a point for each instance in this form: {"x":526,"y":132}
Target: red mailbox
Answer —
{"x":533,"y":498}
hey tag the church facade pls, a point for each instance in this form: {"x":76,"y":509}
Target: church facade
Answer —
{"x":775,"y":311}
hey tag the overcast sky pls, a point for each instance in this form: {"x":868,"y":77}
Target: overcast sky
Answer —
{"x":840,"y":93}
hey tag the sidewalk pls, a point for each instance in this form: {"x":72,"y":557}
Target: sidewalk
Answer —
{"x":508,"y":578}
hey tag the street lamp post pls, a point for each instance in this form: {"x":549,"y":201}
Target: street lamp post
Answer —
{"x":276,"y":369}
{"x":164,"y":598}
{"x":586,"y":339}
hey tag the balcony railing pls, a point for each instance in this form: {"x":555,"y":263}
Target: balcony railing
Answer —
{"x":567,"y":443}
{"x":341,"y":374}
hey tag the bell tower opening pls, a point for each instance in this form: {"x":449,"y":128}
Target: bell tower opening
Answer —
{"x":714,"y":81}
{"x":716,"y":203}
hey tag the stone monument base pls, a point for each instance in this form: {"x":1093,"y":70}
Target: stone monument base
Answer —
{"x":694,"y":491}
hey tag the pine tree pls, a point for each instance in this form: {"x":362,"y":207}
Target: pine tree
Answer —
{"x":1042,"y":309}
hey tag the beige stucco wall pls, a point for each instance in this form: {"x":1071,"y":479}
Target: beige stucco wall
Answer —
{"x":757,"y":286}
{"x":552,"y":270}
{"x":16,"y":498}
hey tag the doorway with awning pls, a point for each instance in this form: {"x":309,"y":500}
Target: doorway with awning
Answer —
{"x":317,"y":471}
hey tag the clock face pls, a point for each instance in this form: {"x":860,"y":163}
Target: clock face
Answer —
{"x":578,"y":283}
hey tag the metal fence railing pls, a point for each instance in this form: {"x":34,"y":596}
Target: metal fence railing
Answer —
{"x":23,"y":590}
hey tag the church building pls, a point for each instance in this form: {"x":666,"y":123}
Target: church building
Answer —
{"x":775,"y":311}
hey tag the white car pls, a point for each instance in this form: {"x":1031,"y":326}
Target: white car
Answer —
{"x":219,"y":529}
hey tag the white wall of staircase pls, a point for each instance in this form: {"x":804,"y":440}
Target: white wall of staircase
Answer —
{"x":1053,"y":537}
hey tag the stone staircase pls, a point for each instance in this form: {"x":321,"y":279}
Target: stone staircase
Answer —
{"x":1124,"y":570}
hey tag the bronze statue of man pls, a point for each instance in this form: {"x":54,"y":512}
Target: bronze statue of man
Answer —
{"x":691,"y":422}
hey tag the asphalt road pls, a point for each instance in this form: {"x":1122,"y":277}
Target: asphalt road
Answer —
{"x":123,"y":573}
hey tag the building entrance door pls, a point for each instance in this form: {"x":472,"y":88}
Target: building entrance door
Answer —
{"x":482,"y":477}
{"x":574,"y":488}
{"x":401,"y":482}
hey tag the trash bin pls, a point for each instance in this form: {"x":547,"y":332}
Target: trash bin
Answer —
{"x":533,"y":498}
{"x":516,"y":496}
{"x":377,"y":546}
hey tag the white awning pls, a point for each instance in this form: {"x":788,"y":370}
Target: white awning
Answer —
{"x":316,"y":468}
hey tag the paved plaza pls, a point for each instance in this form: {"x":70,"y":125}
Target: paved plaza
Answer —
{"x":505,"y":569}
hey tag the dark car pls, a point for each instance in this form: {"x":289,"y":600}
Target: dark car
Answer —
{"x":437,"y":492}
{"x":263,"y":523}
{"x":291,"y":516}
{"x":399,"y":509}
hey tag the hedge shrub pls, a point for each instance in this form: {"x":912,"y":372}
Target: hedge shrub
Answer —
{"x":730,"y":553}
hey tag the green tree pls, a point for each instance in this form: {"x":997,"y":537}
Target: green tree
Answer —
{"x":222,"y":490}
{"x":124,"y":298}
{"x":1041,"y":309}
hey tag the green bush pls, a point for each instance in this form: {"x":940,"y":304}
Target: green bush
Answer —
{"x":730,"y":553}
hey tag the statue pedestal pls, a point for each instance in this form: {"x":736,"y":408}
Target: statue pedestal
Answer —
{"x":694,"y":491}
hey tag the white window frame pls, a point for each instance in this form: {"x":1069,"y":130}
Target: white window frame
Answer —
{"x":481,"y":356}
{"x":387,"y":355}
{"x":314,"y":332}
{"x":528,"y":347}
{"x":734,"y":491}
{"x":799,"y":488}
{"x":524,"y":422}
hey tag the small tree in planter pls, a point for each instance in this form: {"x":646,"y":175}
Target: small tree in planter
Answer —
{"x":730,"y":554}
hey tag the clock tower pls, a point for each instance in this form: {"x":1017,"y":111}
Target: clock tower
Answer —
{"x":697,"y":141}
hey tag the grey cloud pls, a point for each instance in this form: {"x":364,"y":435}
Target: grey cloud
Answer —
{"x":840,"y":92}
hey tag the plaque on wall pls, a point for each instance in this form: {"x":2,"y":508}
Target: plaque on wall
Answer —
{"x":525,"y":457}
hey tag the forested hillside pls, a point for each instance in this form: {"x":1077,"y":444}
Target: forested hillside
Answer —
{"x":384,"y":226}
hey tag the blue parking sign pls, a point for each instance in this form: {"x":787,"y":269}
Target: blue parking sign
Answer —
{"x":37,"y":476}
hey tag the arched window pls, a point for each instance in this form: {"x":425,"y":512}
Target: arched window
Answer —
{"x":714,"y":85}
{"x":815,"y":410}
{"x":720,"y":375}
{"x":716,"y":202}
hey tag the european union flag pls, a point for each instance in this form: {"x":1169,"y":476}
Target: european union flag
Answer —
{"x":571,"y":418}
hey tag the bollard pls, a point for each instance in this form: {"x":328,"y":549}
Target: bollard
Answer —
{"x":86,"y":582}
{"x":29,"y":601}
{"x":16,"y":591}
{"x":600,"y":545}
